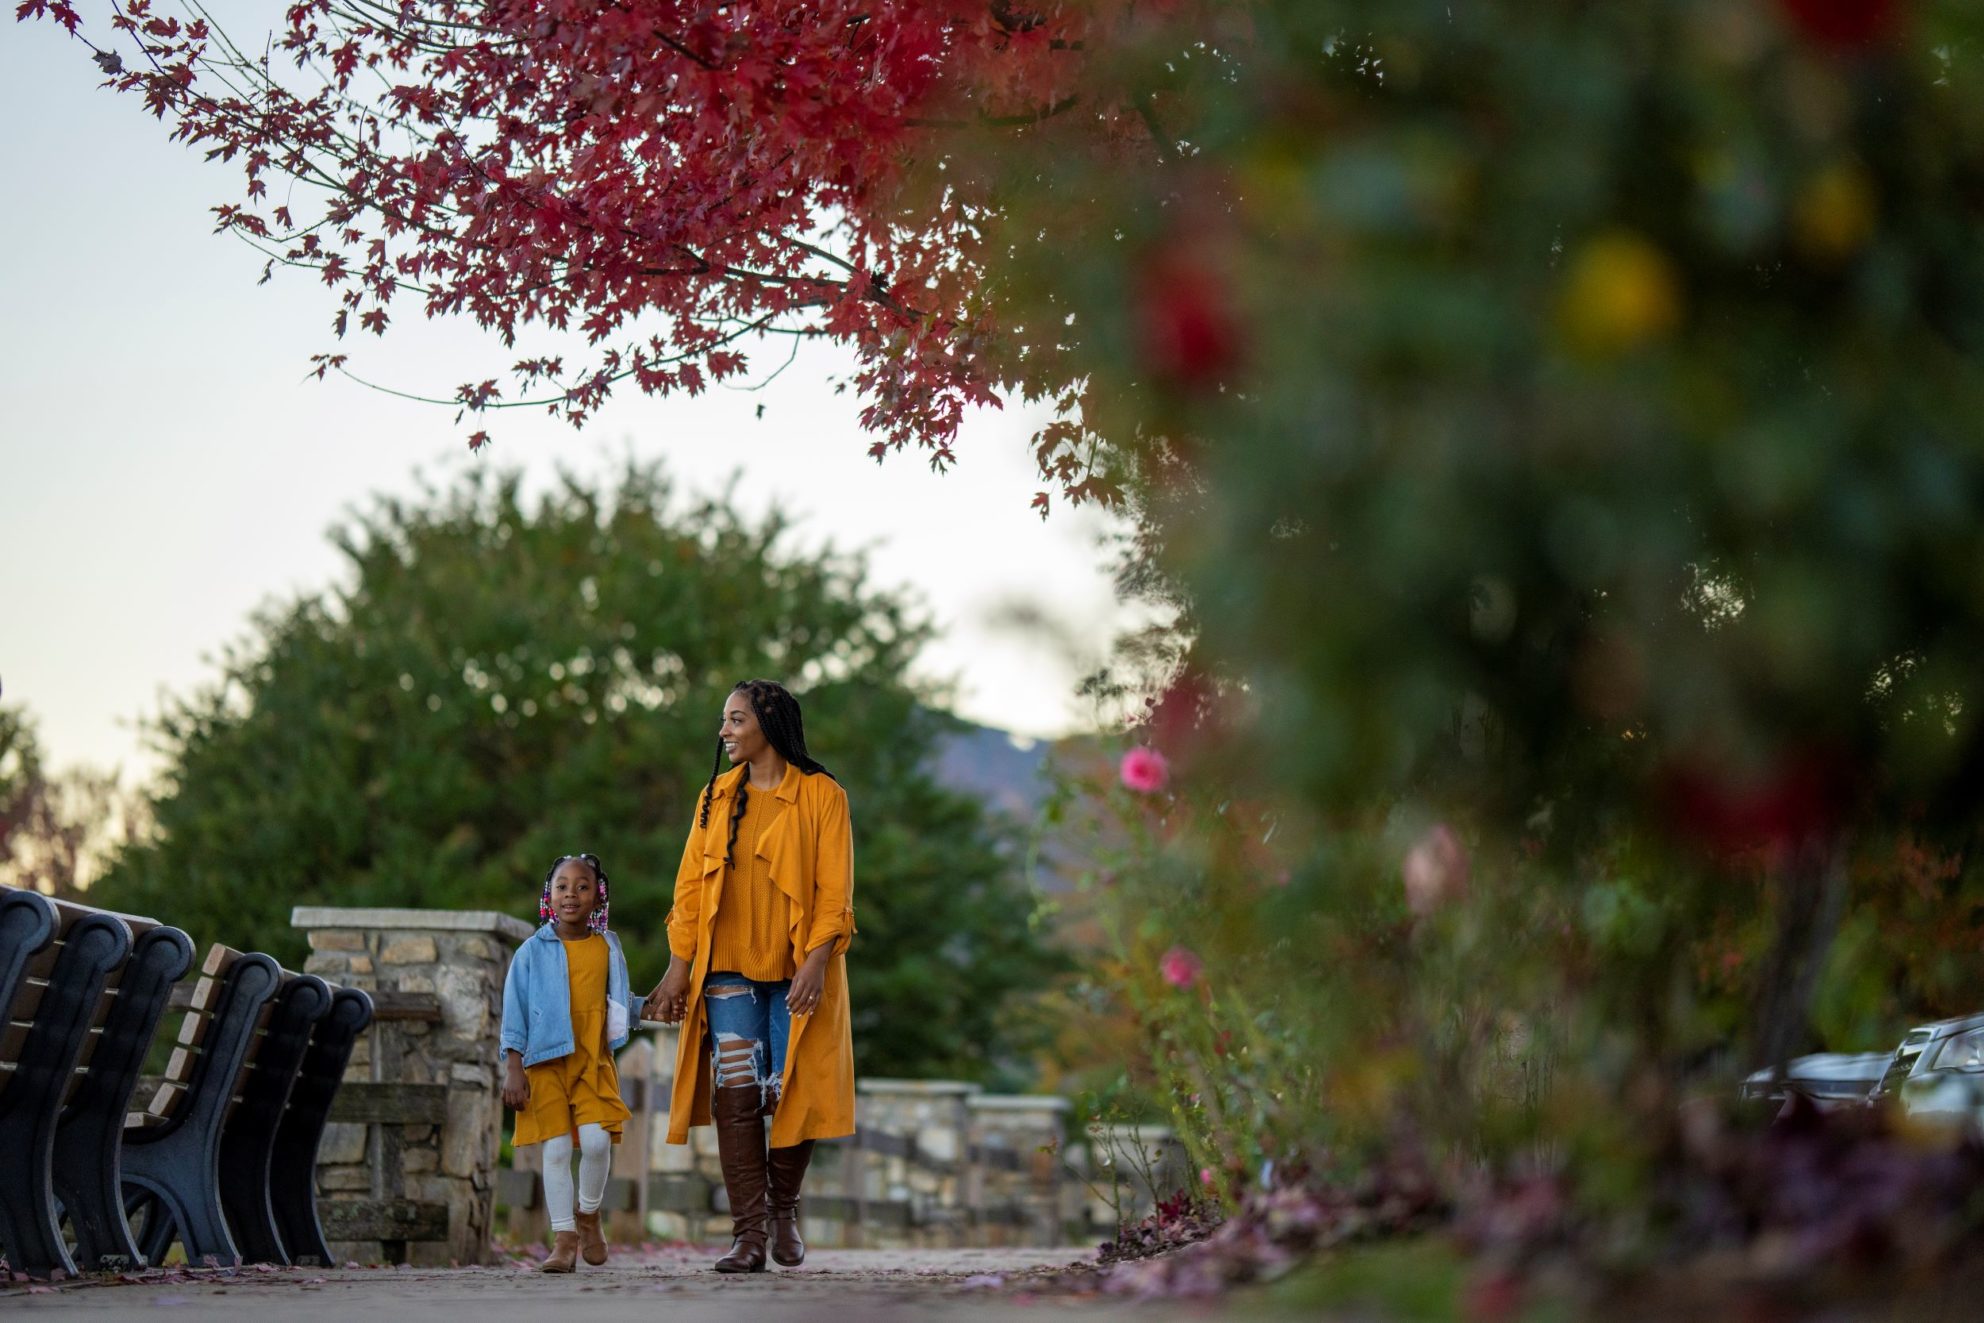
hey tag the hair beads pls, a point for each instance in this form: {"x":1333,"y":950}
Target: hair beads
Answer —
{"x":598,"y":920}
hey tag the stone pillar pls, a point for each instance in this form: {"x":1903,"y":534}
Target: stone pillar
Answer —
{"x":935,"y":1117}
{"x":410,"y":1174}
{"x":1033,"y":1129}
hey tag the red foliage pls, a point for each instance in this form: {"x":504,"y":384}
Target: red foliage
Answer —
{"x":1191,"y":334}
{"x":1843,"y":24}
{"x":672,"y":179}
{"x":1729,"y":813}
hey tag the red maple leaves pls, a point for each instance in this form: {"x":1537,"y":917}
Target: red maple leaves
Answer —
{"x":673,"y":180}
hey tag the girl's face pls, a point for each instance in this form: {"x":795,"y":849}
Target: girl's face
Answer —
{"x":743,"y":738}
{"x":574,"y":892}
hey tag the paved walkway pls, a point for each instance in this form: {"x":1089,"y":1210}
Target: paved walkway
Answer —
{"x":672,"y":1284}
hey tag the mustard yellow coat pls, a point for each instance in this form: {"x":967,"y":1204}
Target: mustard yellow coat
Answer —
{"x":810,"y":851}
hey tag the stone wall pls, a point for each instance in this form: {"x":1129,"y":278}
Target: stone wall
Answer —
{"x":423,"y":1161}
{"x":935,"y":1163}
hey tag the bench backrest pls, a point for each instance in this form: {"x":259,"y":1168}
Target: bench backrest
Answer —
{"x":40,"y":967}
{"x":193,"y":1029}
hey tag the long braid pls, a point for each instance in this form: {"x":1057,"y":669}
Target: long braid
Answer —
{"x":737,"y":816}
{"x":709,"y":791}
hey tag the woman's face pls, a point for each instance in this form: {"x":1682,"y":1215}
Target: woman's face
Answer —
{"x":743,"y":738}
{"x":574,"y":891}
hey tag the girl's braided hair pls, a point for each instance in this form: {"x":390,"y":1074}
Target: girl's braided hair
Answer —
{"x":778,"y":716}
{"x":598,"y":920}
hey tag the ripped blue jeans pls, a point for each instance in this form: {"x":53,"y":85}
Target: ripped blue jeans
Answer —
{"x":749,"y":1026}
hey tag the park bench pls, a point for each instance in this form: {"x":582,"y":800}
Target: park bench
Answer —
{"x":76,"y":1027}
{"x":173,"y":1150}
{"x":293,"y":1158}
{"x":88,"y":1157}
{"x":57,"y":976}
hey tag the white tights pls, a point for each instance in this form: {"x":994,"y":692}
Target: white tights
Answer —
{"x":595,"y":1160}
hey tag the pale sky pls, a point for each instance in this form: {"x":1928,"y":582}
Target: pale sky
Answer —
{"x":165,"y":468}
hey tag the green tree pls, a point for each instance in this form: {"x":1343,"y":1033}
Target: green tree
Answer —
{"x":498,"y":682}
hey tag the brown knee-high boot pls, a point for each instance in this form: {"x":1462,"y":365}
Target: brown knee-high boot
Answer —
{"x":788,"y":1173}
{"x":740,"y":1145}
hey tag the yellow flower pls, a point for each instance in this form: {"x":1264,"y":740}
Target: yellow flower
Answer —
{"x":1619,"y":293}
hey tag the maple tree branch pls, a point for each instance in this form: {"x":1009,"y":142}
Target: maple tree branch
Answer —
{"x":591,"y":381}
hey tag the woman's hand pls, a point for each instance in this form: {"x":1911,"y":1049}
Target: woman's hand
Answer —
{"x":803,"y":997}
{"x":516,"y":1088}
{"x":669,"y":1001}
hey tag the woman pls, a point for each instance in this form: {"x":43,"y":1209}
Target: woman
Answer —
{"x":756,"y":973}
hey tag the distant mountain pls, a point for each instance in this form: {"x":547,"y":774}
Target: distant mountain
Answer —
{"x":1007,"y":772}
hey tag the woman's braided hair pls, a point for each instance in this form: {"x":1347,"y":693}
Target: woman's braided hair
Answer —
{"x":598,"y":920}
{"x":778,"y":716}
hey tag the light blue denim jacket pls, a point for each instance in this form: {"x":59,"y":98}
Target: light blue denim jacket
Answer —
{"x":537,"y":997}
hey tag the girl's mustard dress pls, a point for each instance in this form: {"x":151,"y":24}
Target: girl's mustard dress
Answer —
{"x":581,"y":1088}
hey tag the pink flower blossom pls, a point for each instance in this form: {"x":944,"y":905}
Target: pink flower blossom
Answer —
{"x":1206,"y":1177}
{"x":1145,"y":770}
{"x":1181,"y":967}
{"x":1435,"y":870}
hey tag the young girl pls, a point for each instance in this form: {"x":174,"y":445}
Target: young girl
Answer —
{"x":566,"y":1005}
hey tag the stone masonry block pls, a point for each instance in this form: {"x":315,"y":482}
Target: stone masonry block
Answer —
{"x":334,"y":939}
{"x":416,"y":950}
{"x":468,"y":1140}
{"x":473,"y":946}
{"x":344,"y":1178}
{"x":342,"y":1142}
{"x":673,"y":1158}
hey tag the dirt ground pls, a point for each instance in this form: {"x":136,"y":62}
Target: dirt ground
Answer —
{"x":672,"y":1284}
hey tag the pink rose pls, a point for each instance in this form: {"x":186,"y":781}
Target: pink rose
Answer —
{"x":1145,"y":771}
{"x":1180,"y":967}
{"x":1435,"y":870}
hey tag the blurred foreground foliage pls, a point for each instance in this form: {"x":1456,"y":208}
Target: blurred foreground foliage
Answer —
{"x":1561,"y":431}
{"x":501,"y":680}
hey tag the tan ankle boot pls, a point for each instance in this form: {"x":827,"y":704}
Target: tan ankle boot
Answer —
{"x":592,"y":1242}
{"x":564,"y":1253}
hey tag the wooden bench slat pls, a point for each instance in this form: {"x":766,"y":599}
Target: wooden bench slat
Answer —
{"x":27,"y":1000}
{"x":165,"y":1099}
{"x":192,"y":1029}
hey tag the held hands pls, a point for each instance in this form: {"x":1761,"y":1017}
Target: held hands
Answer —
{"x":669,"y":1001}
{"x":803,"y":997}
{"x":516,"y":1088}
